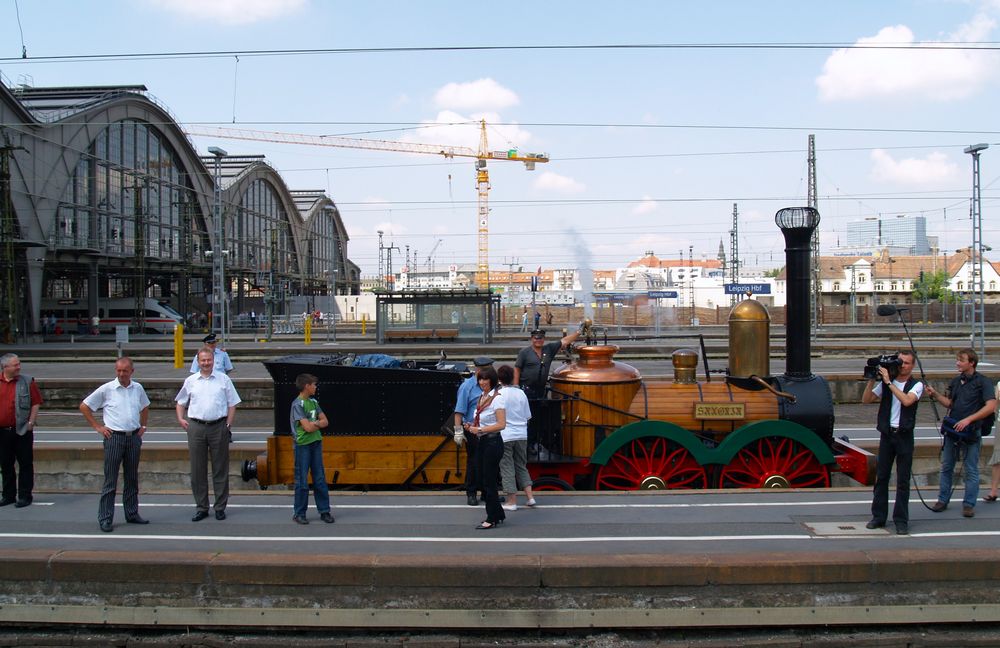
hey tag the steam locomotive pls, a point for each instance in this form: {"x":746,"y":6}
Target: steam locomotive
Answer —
{"x":602,"y":426}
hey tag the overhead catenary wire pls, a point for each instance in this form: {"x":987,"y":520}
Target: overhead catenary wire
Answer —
{"x":919,"y":46}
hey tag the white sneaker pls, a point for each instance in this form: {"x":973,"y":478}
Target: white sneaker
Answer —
{"x":531,"y":502}
{"x":509,"y":507}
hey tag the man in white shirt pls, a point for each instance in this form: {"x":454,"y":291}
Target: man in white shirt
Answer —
{"x":222,"y":362}
{"x":208,"y":400}
{"x":126,"y":410}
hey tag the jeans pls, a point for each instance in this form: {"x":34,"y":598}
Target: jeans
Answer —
{"x":898,"y":447}
{"x":970,"y":466}
{"x":309,"y":458}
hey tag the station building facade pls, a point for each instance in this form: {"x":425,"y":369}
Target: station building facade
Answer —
{"x":104,"y":196}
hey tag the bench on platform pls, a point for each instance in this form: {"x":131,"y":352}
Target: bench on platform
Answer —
{"x":428,"y":335}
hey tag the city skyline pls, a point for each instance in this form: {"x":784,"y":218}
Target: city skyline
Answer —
{"x":652,"y":142}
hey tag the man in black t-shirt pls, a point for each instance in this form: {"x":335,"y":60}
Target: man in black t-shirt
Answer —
{"x":531,"y":369}
{"x":970,"y":399}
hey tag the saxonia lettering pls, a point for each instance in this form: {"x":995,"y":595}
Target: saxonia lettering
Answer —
{"x":720,"y":411}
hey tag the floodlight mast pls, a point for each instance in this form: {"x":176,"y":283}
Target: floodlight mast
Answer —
{"x":976,"y":289}
{"x":219,"y":304}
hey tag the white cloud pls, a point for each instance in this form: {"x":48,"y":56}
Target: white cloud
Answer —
{"x":549,"y":181}
{"x":388,"y":229}
{"x":647,"y":206}
{"x":918,"y":70}
{"x":231,"y":12}
{"x":453,"y":129}
{"x":935,"y":169}
{"x":481,"y":94}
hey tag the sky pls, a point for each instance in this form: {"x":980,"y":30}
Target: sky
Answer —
{"x":650,"y":147}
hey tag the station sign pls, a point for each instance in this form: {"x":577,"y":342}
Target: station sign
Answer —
{"x":662,"y":294}
{"x":744,"y":288}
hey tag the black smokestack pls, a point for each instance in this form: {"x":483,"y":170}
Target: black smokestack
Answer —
{"x":797,"y":225}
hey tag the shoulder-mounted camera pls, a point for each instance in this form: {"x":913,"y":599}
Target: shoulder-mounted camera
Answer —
{"x":891,"y":362}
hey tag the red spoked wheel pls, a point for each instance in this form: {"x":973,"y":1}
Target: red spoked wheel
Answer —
{"x":551,"y":484}
{"x":774,"y":462}
{"x":651,"y":463}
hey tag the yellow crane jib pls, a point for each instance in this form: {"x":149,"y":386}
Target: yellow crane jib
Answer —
{"x":481,"y":156}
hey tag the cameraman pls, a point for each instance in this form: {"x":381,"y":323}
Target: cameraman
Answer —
{"x":897,"y":414}
{"x":970,"y":399}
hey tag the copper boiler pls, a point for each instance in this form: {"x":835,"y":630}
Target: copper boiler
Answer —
{"x":595,"y":378}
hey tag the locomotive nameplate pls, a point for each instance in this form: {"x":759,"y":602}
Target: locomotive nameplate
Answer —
{"x":720,"y":411}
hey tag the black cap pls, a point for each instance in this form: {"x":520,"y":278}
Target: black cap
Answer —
{"x":538,"y":333}
{"x":482,"y":361}
{"x":211,"y":338}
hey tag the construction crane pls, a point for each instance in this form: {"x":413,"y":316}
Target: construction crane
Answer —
{"x":430,"y":257}
{"x":482,"y":156}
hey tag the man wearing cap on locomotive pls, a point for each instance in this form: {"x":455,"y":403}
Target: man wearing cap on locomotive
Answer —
{"x":531,"y":369}
{"x":970,"y":399}
{"x":222,"y":362}
{"x":465,"y":411}
{"x":897,"y":414}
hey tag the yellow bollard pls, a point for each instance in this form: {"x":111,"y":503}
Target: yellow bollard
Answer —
{"x":178,"y":346}
{"x":307,"y":326}
{"x":364,"y":323}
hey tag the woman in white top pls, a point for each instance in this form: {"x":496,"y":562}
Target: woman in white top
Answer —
{"x":514,"y":464}
{"x":486,"y":425}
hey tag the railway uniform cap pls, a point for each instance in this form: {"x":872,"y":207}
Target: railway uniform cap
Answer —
{"x":211,"y":338}
{"x":538,"y":333}
{"x":482,"y":361}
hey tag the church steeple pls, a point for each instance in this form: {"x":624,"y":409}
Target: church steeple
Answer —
{"x":722,"y":255}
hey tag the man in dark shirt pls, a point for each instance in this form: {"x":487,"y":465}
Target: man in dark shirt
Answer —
{"x":970,"y":399}
{"x":531,"y":369}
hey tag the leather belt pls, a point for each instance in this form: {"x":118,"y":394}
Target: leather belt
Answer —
{"x":213,"y":422}
{"x":8,"y":429}
{"x":489,"y":435}
{"x":126,"y":432}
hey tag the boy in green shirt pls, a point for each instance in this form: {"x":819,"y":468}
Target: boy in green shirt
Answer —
{"x":307,"y":420}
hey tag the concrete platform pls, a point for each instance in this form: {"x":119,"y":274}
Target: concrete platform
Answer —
{"x":414,"y":561}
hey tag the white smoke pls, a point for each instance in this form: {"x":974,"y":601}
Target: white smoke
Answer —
{"x":585,"y":270}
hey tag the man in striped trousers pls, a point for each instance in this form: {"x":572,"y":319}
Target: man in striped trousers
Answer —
{"x":126,"y":410}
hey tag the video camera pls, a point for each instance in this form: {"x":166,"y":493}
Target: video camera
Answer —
{"x":891,"y":362}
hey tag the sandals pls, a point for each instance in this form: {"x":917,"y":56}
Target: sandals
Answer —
{"x":990,"y":498}
{"x":486,"y":525}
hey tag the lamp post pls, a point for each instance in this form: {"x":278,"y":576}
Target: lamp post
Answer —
{"x":976,"y":290}
{"x":218,"y":254}
{"x":331,"y":327}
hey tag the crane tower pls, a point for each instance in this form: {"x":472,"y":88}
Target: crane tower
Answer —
{"x":482,"y":155}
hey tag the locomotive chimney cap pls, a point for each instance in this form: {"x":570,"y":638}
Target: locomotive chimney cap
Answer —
{"x":797,"y":217}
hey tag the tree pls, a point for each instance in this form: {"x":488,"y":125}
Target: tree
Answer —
{"x":933,"y":286}
{"x":773,"y":272}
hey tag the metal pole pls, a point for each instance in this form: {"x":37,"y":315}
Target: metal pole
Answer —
{"x":218,"y":253}
{"x":976,"y":290}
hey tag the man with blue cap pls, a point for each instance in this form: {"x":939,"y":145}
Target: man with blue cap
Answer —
{"x":223,"y":364}
{"x":465,"y":410}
